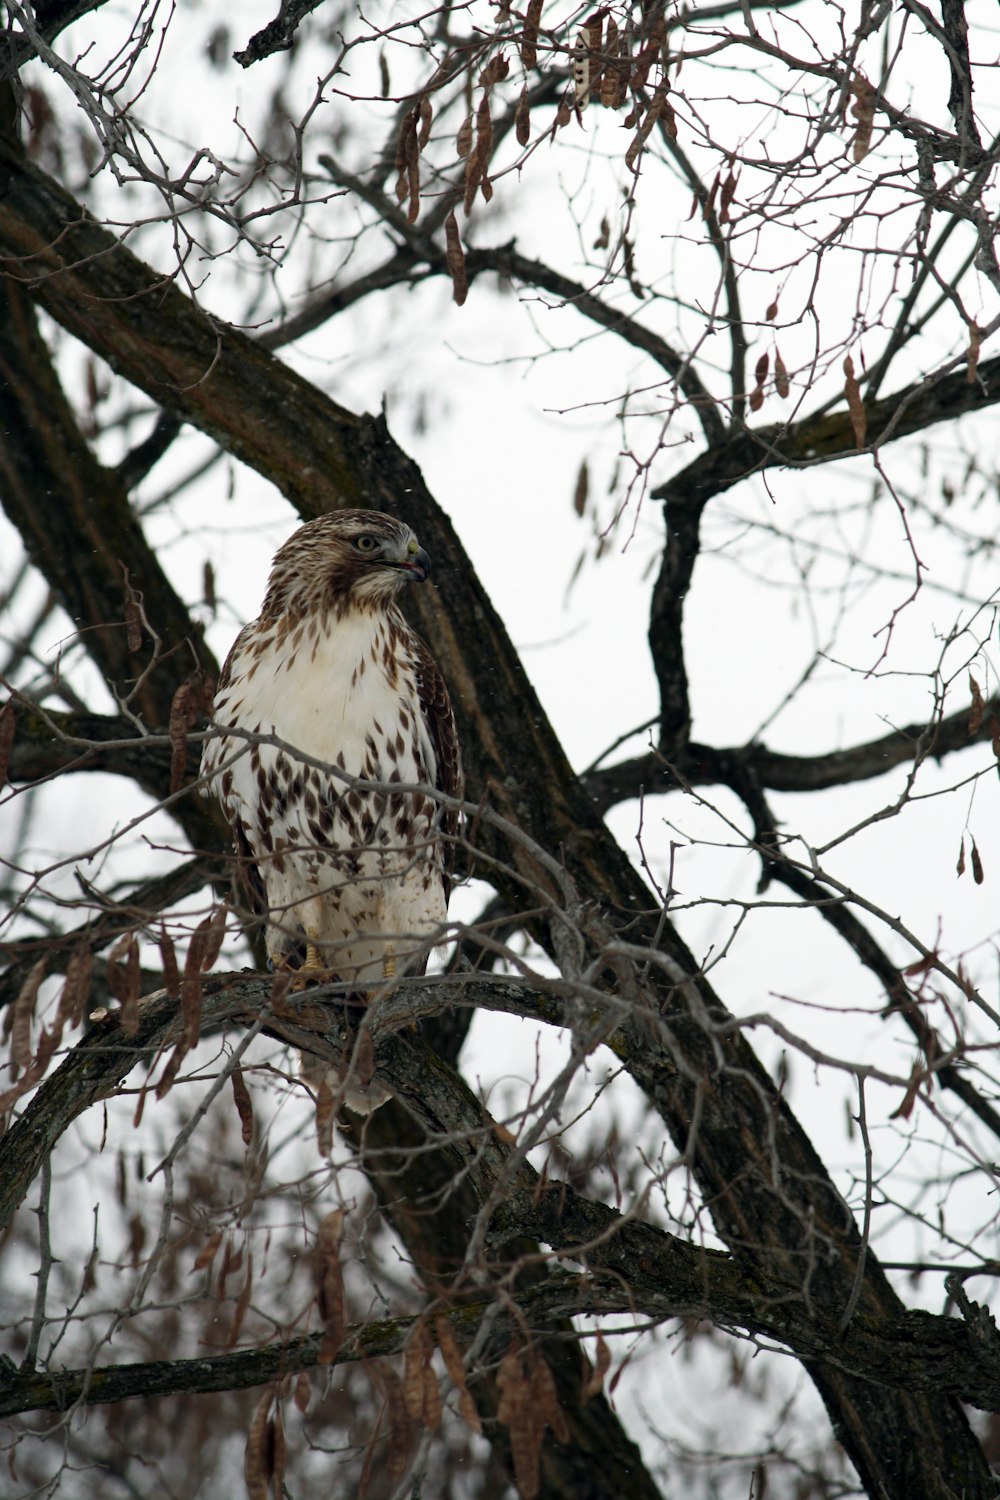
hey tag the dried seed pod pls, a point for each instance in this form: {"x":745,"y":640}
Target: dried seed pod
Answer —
{"x":330,"y":1284}
{"x":781,"y":381}
{"x":455,"y":1366}
{"x":602,"y":1363}
{"x":863,"y":110}
{"x":455,"y":258}
{"x":581,"y":71}
{"x":244,"y":1105}
{"x":855,"y":406}
{"x":425,"y":114}
{"x":529,"y":35}
{"x":522,"y":118}
{"x":978,"y":708}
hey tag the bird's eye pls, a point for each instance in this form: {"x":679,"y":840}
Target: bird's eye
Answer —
{"x":365,"y":543}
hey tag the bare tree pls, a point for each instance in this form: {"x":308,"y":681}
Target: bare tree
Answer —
{"x":673,"y":221}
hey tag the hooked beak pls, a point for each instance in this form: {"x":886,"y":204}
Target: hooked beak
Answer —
{"x":416,"y":565}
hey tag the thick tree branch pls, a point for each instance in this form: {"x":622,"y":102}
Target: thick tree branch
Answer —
{"x":816,"y":440}
{"x":44,"y":453}
{"x":703,"y":765}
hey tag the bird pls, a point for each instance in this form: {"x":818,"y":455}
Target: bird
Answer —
{"x":327,"y":702}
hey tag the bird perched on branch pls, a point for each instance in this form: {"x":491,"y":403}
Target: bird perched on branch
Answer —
{"x":337,"y":827}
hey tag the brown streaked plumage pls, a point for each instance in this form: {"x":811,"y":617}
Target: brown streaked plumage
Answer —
{"x":356,"y":877}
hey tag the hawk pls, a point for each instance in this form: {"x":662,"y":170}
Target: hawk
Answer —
{"x":353,"y":878}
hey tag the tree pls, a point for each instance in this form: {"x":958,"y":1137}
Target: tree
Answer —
{"x":836,"y":264}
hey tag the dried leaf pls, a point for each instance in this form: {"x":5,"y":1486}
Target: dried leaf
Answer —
{"x":183,"y":714}
{"x":863,"y":110}
{"x":628,"y":256}
{"x":517,"y":1411}
{"x":855,"y":406}
{"x":977,"y":865}
{"x":529,"y":35}
{"x":412,"y":152}
{"x":728,"y":194}
{"x":244,"y":1105}
{"x":772,"y":311}
{"x":978,"y":708}
{"x":169,"y":1075}
{"x":129,"y":998}
{"x":76,"y":987}
{"x":960,"y":867}
{"x":330,"y":1284}
{"x":280,"y":1453}
{"x":425,"y":115}
{"x":473,"y":177}
{"x":760,"y":375}
{"x":383,"y":71}
{"x":7,"y":726}
{"x":242,"y":1303}
{"x":402,"y":1430}
{"x":190,"y":996}
{"x":455,"y":1366}
{"x":364,"y":1058}
{"x":302,"y":1392}
{"x":781,"y":382}
{"x":417,"y":1353}
{"x":133,"y":612}
{"x":324,"y":1115}
{"x":563,"y":115}
{"x":971,"y":365}
{"x":22,"y":1014}
{"x":168,"y":959}
{"x":484,"y":133}
{"x":136,"y":1239}
{"x":215,"y":926}
{"x":206,"y":1255}
{"x":258,"y":1466}
{"x":495,"y":71}
{"x":602,"y":1363}
{"x":581,"y":489}
{"x":905,"y":1109}
{"x":656,"y":107}
{"x":649,"y":53}
{"x":455,"y":260}
{"x":995,"y":735}
{"x":547,"y":1398}
{"x":604,"y":238}
{"x":522,"y":118}
{"x":614,"y":84}
{"x":463,"y":141}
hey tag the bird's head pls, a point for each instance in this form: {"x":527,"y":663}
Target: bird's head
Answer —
{"x":352,"y":559}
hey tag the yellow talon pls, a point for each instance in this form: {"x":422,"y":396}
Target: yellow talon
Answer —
{"x":313,"y":968}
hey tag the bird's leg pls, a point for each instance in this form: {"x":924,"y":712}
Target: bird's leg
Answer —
{"x":312,"y":969}
{"x":389,"y":963}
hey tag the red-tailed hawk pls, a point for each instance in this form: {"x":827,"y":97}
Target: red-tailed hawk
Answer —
{"x":353,"y":879}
